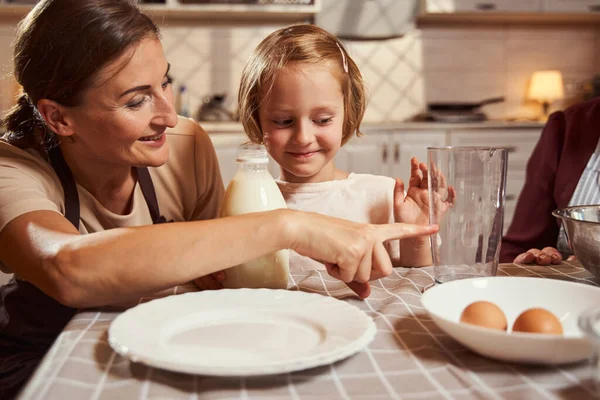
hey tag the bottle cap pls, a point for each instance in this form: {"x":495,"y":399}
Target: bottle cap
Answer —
{"x":252,"y":153}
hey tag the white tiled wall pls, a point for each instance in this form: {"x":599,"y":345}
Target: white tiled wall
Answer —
{"x":401,"y":74}
{"x":464,"y":65}
{"x":475,"y":63}
{"x":210,"y":60}
{"x":393,"y":74}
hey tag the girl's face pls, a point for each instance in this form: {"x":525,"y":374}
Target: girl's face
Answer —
{"x":123,"y":115}
{"x":302,"y":122}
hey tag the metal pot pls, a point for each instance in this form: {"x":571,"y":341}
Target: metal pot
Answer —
{"x":582,"y":225}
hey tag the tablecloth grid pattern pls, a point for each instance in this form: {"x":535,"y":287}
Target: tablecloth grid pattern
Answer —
{"x":410,"y":357}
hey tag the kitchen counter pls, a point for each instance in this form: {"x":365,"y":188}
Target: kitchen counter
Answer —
{"x":236,"y":127}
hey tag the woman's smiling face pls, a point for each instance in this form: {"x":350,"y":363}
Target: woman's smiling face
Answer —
{"x":123,"y":115}
{"x":302,"y":121}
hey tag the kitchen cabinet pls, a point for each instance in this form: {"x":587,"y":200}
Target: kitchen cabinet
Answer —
{"x":388,"y":152}
{"x":517,"y":6}
{"x":175,"y":9}
{"x":226,"y":146}
{"x":520,"y":142}
{"x":539,"y":12}
{"x":405,"y":145}
{"x":364,"y":154}
{"x":572,"y":6}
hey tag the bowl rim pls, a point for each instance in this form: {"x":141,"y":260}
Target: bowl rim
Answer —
{"x":556,"y":213}
{"x":500,"y":334}
{"x":585,"y":323}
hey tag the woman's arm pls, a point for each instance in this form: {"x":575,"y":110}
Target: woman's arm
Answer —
{"x":533,"y":225}
{"x":122,"y":264}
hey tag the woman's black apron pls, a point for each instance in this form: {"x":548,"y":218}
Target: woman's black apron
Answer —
{"x":30,"y":320}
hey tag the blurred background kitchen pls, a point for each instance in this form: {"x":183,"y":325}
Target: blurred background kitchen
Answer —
{"x":429,"y":66}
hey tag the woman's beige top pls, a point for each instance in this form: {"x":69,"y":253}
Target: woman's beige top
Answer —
{"x":188,"y":186}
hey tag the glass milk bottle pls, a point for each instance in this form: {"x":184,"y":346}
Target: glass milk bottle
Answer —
{"x":253,"y":189}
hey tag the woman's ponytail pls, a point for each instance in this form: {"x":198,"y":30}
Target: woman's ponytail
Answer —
{"x":25,"y":127}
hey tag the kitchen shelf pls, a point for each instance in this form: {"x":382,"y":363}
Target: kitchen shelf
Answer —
{"x":236,"y":127}
{"x":205,"y":12}
{"x":504,"y":18}
{"x":14,"y":11}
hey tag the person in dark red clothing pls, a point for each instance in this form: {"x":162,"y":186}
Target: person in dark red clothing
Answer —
{"x":563,"y":170}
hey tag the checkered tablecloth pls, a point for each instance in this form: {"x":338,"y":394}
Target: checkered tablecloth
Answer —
{"x":410,"y":358}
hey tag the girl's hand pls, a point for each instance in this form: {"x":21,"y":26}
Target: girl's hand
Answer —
{"x":211,"y":281}
{"x":546,"y":256}
{"x":414,"y":208}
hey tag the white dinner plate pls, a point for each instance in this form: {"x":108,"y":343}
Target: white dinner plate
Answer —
{"x":241,"y":332}
{"x":567,"y":300}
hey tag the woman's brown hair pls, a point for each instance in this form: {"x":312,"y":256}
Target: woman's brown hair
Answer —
{"x":60,"y":47}
{"x":299,"y":43}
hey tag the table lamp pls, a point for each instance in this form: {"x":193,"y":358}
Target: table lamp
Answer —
{"x":546,"y":87}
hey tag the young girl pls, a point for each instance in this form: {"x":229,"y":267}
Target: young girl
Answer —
{"x":302,"y":96}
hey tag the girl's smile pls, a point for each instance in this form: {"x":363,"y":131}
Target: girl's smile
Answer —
{"x":302,"y":120}
{"x":304,"y":154}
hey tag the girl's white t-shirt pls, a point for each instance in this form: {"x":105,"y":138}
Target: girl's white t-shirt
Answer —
{"x":360,"y":198}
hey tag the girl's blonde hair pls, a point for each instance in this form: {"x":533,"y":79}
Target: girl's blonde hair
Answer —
{"x":306,"y":44}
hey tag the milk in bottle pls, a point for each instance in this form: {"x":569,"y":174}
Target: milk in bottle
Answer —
{"x":253,"y":189}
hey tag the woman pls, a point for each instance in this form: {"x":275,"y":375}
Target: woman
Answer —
{"x":84,"y":176}
{"x":563,"y":170}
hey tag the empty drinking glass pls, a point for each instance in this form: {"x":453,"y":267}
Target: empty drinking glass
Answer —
{"x":466,"y":199}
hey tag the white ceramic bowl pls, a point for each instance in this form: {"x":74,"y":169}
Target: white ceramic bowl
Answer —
{"x":567,"y":300}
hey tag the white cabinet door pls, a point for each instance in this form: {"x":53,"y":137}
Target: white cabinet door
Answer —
{"x":408,"y":144}
{"x":226,"y":147}
{"x":450,"y":6}
{"x":521,"y":143}
{"x":572,"y":6}
{"x":364,"y":155}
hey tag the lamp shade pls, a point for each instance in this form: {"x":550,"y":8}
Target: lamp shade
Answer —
{"x":546,"y":86}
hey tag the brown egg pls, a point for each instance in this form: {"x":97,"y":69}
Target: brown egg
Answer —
{"x":537,"y":320}
{"x":484,"y":313}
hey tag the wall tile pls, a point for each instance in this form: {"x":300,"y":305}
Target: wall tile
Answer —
{"x":536,"y":54}
{"x":464,"y":54}
{"x":402,"y":74}
{"x":461,"y":68}
{"x":209,"y":59}
{"x":443,"y":86}
{"x":393,"y":74}
{"x":467,"y":86}
{"x":464,"y":33}
{"x":552,"y":32}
